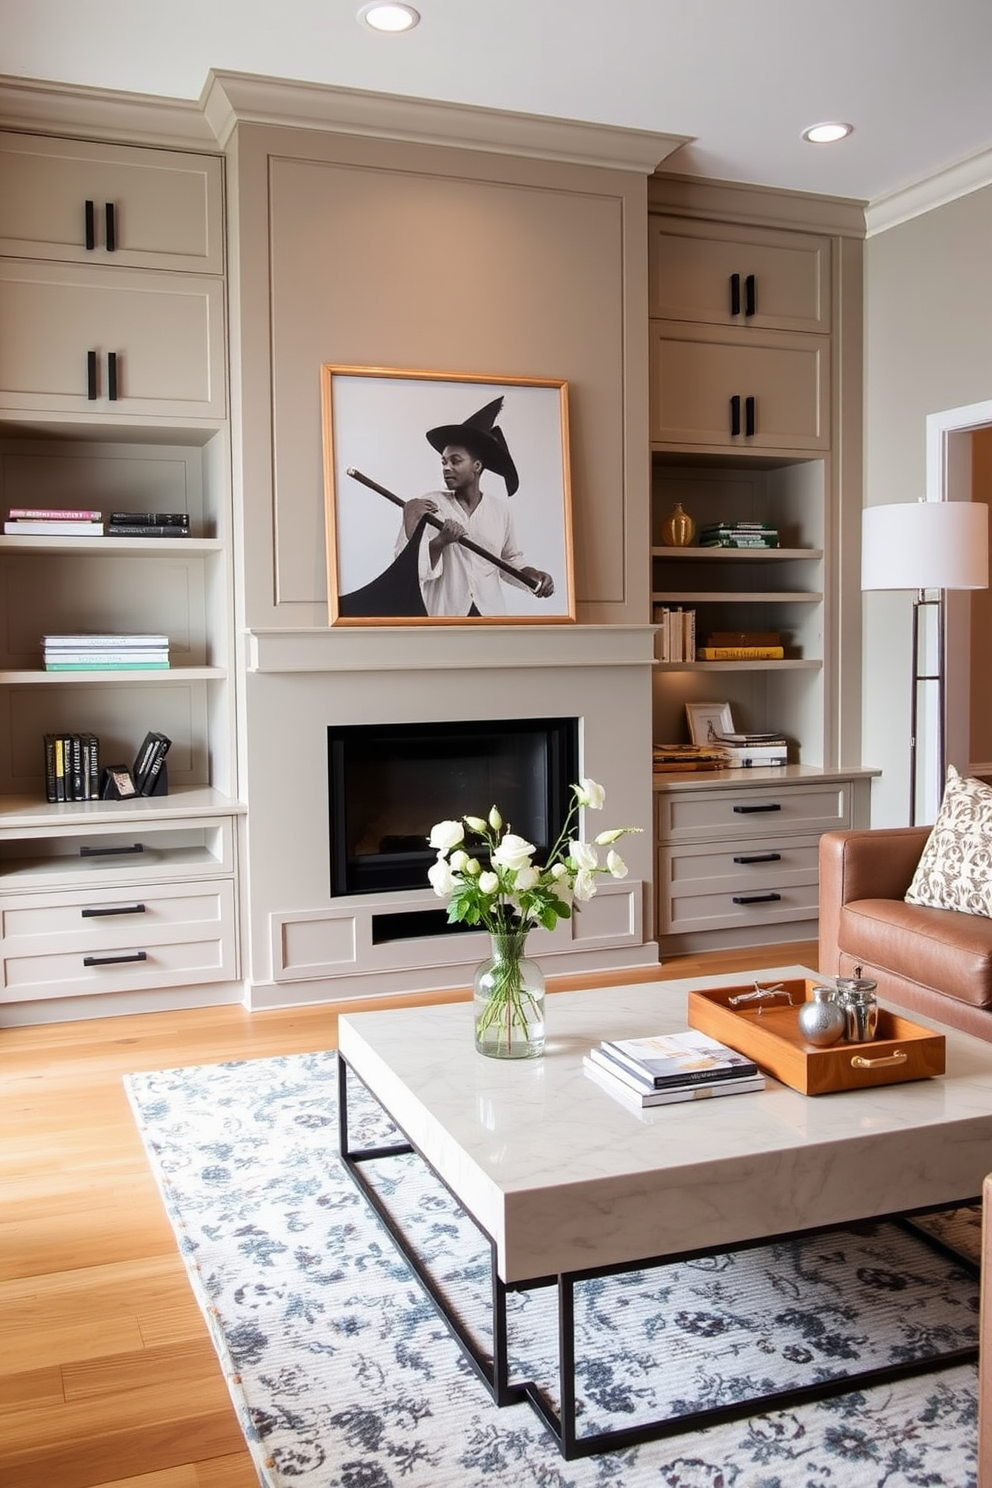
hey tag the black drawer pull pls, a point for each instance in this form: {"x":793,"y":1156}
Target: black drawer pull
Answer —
{"x":115,"y":960}
{"x":764,"y":806}
{"x":756,"y":898}
{"x":748,"y":416}
{"x":91,"y":376}
{"x":106,"y":852}
{"x":90,"y":226}
{"x":735,"y":414}
{"x":111,"y":229}
{"x":112,"y":378}
{"x":760,"y":858}
{"x":735,"y":294}
{"x":750,"y":295}
{"x":117,"y":909}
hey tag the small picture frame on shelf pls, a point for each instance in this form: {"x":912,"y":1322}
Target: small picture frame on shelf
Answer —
{"x":709,"y":721}
{"x":118,"y":784}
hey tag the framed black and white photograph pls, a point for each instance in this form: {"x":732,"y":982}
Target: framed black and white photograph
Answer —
{"x":708,"y":722}
{"x":447,"y":498}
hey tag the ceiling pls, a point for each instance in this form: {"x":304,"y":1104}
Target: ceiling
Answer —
{"x":741,"y":80}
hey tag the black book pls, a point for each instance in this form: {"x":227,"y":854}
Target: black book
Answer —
{"x":154,"y":773}
{"x":78,"y":792}
{"x":91,"y":767}
{"x":149,"y":519}
{"x":144,"y":529}
{"x":148,"y":762}
{"x":50,"y":794}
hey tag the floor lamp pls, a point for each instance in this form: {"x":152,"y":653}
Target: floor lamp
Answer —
{"x":928,"y":546}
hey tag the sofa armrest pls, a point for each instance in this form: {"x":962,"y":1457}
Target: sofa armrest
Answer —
{"x":877,"y":863}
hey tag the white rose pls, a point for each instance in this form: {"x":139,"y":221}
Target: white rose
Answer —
{"x":588,"y":793}
{"x":616,"y":865}
{"x":585,"y":885}
{"x":488,"y":883}
{"x":583,"y":855}
{"x":495,"y":820}
{"x":604,"y":839}
{"x":473,"y":868}
{"x":475,"y":822}
{"x":445,"y":835}
{"x":526,"y":878}
{"x":441,"y":878}
{"x":558,"y":870}
{"x":458,"y":861}
{"x":513,"y":852}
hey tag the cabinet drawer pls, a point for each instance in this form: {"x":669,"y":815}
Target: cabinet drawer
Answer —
{"x":166,"y":332}
{"x":68,"y":945}
{"x":712,"y":908}
{"x":692,"y":269}
{"x":764,"y":811}
{"x":167,"y":206}
{"x":111,"y":856}
{"x":695,"y":374}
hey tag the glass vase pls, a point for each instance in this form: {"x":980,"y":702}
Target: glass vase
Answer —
{"x":508,"y":992}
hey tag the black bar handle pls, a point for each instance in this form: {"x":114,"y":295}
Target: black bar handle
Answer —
{"x":750,"y":858}
{"x":735,"y":294}
{"x":748,"y":417}
{"x":110,"y":227}
{"x":764,"y":806}
{"x":750,"y":295}
{"x":116,"y":909}
{"x":105,"y":852}
{"x":735,"y":414}
{"x":114,"y":960}
{"x":90,"y":227}
{"x":112,"y":378}
{"x":91,"y":376}
{"x":756,"y":898}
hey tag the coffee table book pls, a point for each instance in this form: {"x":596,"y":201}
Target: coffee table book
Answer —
{"x":641,"y":1099}
{"x":768,"y":1032}
{"x":689,"y":1058}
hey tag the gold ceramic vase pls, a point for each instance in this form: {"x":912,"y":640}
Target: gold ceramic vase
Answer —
{"x":677,"y":529}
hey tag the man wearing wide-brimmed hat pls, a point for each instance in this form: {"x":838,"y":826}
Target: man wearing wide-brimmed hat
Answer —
{"x":454,"y":580}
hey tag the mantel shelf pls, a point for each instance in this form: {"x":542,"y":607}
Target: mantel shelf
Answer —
{"x":125,"y":676}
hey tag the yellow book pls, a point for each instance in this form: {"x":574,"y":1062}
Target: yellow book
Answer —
{"x":740,"y":653}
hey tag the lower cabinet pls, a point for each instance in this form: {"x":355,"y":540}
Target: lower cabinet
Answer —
{"x":737,"y":862}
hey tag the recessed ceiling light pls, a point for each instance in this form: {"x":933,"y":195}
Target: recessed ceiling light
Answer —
{"x":826,"y":134}
{"x":389,"y":17}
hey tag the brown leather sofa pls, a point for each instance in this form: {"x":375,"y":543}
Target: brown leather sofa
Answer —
{"x":936,"y":962}
{"x":985,"y":1346}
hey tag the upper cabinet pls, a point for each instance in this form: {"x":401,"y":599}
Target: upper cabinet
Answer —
{"x":75,"y":201}
{"x":739,"y":276}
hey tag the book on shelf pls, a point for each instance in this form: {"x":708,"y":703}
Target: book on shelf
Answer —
{"x":675,"y":639}
{"x":745,"y":756}
{"x":109,"y":664}
{"x":740,"y":653}
{"x":98,"y":640}
{"x":149,"y":760}
{"x":670,"y":758}
{"x":687,"y":1058}
{"x":72,"y":767}
{"x":25,"y":527}
{"x":148,"y":519}
{"x":54,"y":514}
{"x":139,"y":529}
{"x":738,"y":739}
{"x":740,"y":540}
{"x":640,"y":1099}
{"x":743,"y":638}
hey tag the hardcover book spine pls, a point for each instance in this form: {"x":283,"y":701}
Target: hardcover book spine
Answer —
{"x":149,"y":519}
{"x":136,"y":529}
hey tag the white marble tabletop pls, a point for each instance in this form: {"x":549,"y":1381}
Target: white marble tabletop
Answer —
{"x":564,"y":1176}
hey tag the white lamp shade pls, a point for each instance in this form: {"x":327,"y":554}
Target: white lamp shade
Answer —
{"x":925,"y":545}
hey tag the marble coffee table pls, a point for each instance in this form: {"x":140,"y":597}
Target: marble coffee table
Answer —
{"x":567,"y":1182}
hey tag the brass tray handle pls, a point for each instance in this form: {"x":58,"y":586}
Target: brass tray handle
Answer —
{"x":885,"y":1061}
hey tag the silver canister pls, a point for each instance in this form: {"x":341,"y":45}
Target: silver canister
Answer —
{"x":856,"y":996}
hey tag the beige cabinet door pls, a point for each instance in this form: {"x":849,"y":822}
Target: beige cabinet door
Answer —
{"x":728,"y":276}
{"x":69,"y":332}
{"x":766,"y":391}
{"x":78,"y":201}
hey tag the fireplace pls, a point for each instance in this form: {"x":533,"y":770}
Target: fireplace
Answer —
{"x":389,"y":784}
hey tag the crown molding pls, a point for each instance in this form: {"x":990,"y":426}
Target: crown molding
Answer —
{"x":230,"y":98}
{"x":675,"y":194}
{"x":947,"y":185}
{"x":100,"y":113}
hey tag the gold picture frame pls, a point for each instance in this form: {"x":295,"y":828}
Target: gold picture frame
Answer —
{"x":393,"y":437}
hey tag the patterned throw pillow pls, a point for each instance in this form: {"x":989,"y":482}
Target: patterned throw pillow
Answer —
{"x":955,"y":867}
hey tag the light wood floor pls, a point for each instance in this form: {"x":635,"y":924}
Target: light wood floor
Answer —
{"x":107,"y":1375}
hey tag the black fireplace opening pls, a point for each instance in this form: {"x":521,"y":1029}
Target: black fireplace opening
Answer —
{"x":389,"y":783}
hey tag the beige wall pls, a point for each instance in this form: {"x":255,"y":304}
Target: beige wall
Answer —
{"x":980,"y":721}
{"x":928,"y":342}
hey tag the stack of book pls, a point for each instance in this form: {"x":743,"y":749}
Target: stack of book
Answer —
{"x":53,"y":521}
{"x":105,"y":653}
{"x":72,"y":767}
{"x":670,"y":758}
{"x":742,"y":645}
{"x":673,"y":1067}
{"x":739,"y":535}
{"x":743,"y":751}
{"x":675,"y":639}
{"x":148,"y":524}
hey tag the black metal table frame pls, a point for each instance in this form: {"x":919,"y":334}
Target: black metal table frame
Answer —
{"x":494,"y":1369}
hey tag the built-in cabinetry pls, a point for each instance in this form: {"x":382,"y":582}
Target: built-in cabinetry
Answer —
{"x":755,"y":369}
{"x":112,"y":397}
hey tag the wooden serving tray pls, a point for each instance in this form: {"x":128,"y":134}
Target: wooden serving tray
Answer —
{"x":900,"y":1051}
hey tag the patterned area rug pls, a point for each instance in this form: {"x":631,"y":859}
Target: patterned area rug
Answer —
{"x":343,"y":1375}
